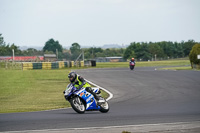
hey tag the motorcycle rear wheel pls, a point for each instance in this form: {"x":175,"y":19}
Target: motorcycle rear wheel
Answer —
{"x":77,"y":105}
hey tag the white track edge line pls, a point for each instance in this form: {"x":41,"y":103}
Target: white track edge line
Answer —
{"x":110,"y":94}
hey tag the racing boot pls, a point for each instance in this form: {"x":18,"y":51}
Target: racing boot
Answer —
{"x":101,"y":100}
{"x":98,"y":98}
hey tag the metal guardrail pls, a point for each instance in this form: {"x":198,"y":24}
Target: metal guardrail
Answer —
{"x":43,"y":65}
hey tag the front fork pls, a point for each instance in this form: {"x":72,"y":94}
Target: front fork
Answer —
{"x":78,"y":100}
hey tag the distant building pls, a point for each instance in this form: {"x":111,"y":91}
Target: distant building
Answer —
{"x":50,"y":57}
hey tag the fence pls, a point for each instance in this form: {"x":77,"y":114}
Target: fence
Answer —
{"x":10,"y":65}
{"x":42,"y":65}
{"x":51,"y":65}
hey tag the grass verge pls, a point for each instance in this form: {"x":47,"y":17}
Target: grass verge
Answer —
{"x":144,"y":63}
{"x":23,"y":91}
{"x":177,"y":68}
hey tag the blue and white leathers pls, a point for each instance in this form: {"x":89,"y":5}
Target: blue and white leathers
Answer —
{"x":89,"y":98}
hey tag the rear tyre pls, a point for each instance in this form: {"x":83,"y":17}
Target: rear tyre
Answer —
{"x":77,"y":105}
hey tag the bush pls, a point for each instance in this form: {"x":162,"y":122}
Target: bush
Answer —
{"x":193,"y":55}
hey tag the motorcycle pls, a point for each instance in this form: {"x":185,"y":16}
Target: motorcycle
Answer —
{"x":82,"y":101}
{"x":132,"y":65}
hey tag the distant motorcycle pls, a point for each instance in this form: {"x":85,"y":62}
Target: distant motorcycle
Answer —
{"x":82,"y":101}
{"x":132,"y":65}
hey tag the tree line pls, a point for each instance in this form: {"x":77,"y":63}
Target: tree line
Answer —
{"x":160,"y":50}
{"x":139,"y":50}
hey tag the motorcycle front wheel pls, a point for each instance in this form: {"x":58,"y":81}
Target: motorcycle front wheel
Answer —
{"x":131,"y":67}
{"x":104,"y":107}
{"x":77,"y":105}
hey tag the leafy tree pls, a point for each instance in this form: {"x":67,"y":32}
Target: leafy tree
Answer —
{"x":99,"y":54}
{"x":179,"y":50}
{"x":32,"y":52}
{"x":155,"y":49}
{"x":187,"y":46}
{"x":193,"y":55}
{"x":93,"y":52}
{"x":2,"y":45}
{"x":52,"y":45}
{"x":1,"y":40}
{"x":75,"y":50}
{"x":138,"y":51}
{"x":49,"y":52}
{"x":170,"y":49}
{"x":16,"y":49}
{"x":67,"y":54}
{"x":143,"y":52}
{"x":129,"y":52}
{"x":6,"y":50}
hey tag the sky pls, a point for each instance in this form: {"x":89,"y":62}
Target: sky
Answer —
{"x":98,"y":22}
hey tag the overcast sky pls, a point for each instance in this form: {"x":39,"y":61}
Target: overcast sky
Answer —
{"x":98,"y":22}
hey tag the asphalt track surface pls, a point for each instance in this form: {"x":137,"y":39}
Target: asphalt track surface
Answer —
{"x":142,"y":96}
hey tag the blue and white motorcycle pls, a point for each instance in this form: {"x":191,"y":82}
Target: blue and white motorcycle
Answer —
{"x":82,"y":101}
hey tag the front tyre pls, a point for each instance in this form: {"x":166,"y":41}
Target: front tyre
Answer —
{"x":104,"y":107}
{"x":131,"y":67}
{"x":77,"y":105}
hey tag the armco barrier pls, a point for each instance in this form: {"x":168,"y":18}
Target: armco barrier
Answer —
{"x":54,"y":65}
{"x":72,"y":63}
{"x":49,"y":65}
{"x":46,"y":65}
{"x":82,"y":63}
{"x":37,"y":65}
{"x":66,"y":64}
{"x":27,"y":66}
{"x":61,"y":64}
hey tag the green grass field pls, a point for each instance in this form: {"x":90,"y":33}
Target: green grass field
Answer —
{"x":35,"y":90}
{"x":145,"y":63}
{"x":32,"y":90}
{"x":177,"y":68}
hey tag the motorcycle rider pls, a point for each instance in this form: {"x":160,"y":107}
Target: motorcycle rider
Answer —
{"x":132,"y":60}
{"x":80,"y":82}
